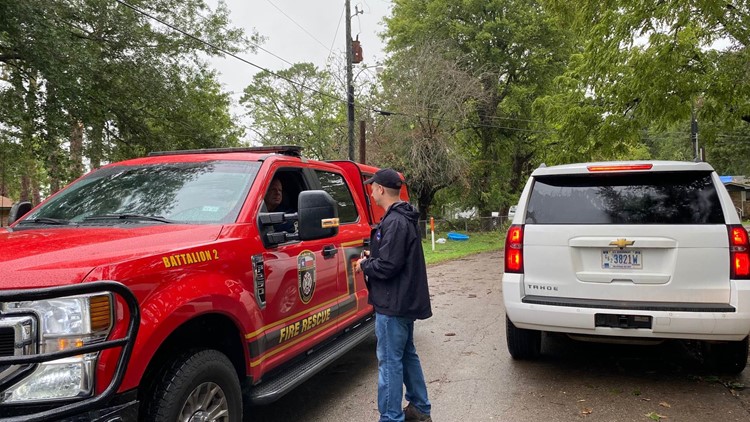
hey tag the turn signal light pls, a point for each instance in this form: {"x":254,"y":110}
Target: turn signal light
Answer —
{"x":739,"y":252}
{"x":514,"y":249}
{"x":626,"y":167}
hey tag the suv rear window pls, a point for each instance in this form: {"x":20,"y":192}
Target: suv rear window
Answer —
{"x":645,"y":198}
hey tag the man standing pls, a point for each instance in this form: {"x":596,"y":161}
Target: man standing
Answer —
{"x":396,"y":278}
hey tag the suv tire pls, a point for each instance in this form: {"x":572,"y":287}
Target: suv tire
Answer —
{"x":522,"y":344}
{"x":205,"y":378}
{"x":729,"y":357}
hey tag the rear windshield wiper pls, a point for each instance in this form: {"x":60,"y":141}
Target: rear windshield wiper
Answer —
{"x":129,"y":217}
{"x":45,"y":220}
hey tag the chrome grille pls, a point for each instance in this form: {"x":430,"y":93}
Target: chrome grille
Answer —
{"x":17,"y":338}
{"x":7,"y":341}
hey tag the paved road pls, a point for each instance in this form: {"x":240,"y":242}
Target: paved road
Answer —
{"x":471,"y":377}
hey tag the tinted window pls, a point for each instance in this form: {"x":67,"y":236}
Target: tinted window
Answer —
{"x":335,"y":185}
{"x":202,"y":192}
{"x":652,"y":198}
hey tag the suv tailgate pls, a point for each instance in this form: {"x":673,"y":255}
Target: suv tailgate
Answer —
{"x":656,"y":237}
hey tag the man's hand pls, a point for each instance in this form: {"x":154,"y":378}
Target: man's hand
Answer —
{"x":358,"y":265}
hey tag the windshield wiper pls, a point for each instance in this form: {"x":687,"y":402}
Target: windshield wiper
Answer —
{"x":129,"y":217}
{"x":46,"y":220}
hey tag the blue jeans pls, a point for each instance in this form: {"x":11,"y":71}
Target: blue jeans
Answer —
{"x":398,"y":365}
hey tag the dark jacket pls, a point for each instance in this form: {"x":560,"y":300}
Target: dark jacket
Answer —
{"x":396,"y":274}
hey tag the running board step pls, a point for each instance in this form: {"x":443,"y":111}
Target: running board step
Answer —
{"x":272,"y":389}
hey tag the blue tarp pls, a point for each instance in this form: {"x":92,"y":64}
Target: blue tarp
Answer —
{"x":725,"y":179}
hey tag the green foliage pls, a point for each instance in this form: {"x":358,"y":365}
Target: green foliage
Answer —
{"x":643,"y":67}
{"x":306,"y":111}
{"x":515,"y":49}
{"x":127,"y":80}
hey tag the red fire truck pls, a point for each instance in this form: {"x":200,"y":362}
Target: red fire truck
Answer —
{"x":163,"y":288}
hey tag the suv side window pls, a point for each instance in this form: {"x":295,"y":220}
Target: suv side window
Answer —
{"x":650,"y":198}
{"x":336,"y":186}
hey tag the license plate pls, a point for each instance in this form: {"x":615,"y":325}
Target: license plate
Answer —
{"x":617,"y":259}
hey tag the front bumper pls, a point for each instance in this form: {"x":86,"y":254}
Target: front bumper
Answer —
{"x":122,"y":408}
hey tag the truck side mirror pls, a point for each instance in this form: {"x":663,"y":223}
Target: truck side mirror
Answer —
{"x":18,"y":210}
{"x":318,"y":215}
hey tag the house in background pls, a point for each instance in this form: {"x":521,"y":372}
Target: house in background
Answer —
{"x":738,"y":187}
{"x":5,"y":205}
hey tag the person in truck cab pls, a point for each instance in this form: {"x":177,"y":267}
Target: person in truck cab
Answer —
{"x":273,"y":200}
{"x":396,"y":277}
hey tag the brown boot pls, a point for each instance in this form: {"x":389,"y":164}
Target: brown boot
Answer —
{"x":412,"y":414}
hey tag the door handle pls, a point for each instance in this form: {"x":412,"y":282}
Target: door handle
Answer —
{"x":329,"y":251}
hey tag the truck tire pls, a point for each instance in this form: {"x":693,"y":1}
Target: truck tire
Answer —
{"x":522,"y":343}
{"x":200,"y":385}
{"x":729,"y":357}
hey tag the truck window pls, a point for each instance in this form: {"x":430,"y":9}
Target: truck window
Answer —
{"x":649,"y":198}
{"x":336,"y":186}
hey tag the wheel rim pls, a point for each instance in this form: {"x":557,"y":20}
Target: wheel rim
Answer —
{"x":206,"y":403}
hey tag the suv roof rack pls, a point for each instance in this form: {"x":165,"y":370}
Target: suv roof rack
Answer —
{"x":290,"y":150}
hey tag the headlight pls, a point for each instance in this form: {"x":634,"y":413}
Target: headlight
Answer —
{"x":64,"y":324}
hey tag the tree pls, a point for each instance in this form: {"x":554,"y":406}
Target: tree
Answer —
{"x":298,"y":106}
{"x":515,"y":48}
{"x":433,"y":97}
{"x":86,"y":76}
{"x":645,"y":65}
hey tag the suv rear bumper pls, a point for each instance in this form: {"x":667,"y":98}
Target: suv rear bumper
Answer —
{"x":565,"y":316}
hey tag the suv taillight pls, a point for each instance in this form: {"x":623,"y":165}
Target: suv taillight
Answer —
{"x":514,"y":249}
{"x":739,"y":252}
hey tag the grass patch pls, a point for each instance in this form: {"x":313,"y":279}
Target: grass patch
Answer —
{"x":451,"y":249}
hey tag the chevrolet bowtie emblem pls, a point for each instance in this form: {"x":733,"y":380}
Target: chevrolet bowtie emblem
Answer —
{"x":621,"y":243}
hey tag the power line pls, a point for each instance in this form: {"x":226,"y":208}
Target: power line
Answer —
{"x":221,"y":50}
{"x":298,"y":25}
{"x":333,"y":42}
{"x":303,"y":86}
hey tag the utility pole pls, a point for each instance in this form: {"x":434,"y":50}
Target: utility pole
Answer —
{"x":694,"y":134}
{"x":362,"y":141}
{"x":349,"y":86}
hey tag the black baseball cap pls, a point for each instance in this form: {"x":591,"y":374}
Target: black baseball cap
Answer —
{"x":388,"y":178}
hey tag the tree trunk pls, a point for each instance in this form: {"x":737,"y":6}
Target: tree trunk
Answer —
{"x":487,"y":111}
{"x":76,"y":149}
{"x":36,"y":192}
{"x":424,"y":200}
{"x":25,"y":188}
{"x":96,"y":145}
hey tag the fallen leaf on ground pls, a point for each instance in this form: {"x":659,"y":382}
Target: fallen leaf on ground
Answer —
{"x":586,"y":411}
{"x":655,"y":416}
{"x":664,"y":404}
{"x":450,"y":334}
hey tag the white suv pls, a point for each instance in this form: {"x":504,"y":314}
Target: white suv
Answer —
{"x":629,"y":251}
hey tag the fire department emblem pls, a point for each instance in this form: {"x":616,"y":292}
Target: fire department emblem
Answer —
{"x":306,"y":275}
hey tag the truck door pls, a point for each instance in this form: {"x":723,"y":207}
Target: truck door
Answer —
{"x":301,"y":290}
{"x":354,"y":233}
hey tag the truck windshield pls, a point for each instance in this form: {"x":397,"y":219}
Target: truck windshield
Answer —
{"x":195,"y":192}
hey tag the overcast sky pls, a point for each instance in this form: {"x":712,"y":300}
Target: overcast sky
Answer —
{"x":300,"y":31}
